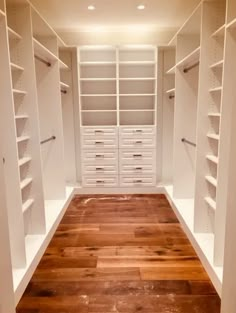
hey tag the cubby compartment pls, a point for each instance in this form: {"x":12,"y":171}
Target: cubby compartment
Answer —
{"x":99,"y":118}
{"x":98,"y":55}
{"x":98,"y":87}
{"x":137,"y":87}
{"x":132,"y":55}
{"x":135,"y":70}
{"x":137,"y":103}
{"x":98,"y":103}
{"x":98,"y":71}
{"x":137,"y":118}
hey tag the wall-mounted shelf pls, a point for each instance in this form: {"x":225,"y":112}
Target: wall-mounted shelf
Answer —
{"x":21,"y":117}
{"x":212,"y":114}
{"x":212,"y":158}
{"x":219,"y":32}
{"x":25,"y":183}
{"x":27,"y":205}
{"x":191,"y":58}
{"x":211,"y":203}
{"x":216,"y":89}
{"x":24,"y":161}
{"x":213,"y":136}
{"x":19,"y":92}
{"x":217,"y":64}
{"x":211,"y":180}
{"x":42,"y":52}
{"x":13,"y":35}
{"x":172,"y":70}
{"x":15,"y":67}
{"x":22,"y":139}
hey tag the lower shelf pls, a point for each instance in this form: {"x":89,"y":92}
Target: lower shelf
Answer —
{"x":203,"y":243}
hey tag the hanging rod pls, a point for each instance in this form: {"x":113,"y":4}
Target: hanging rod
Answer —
{"x":188,"y":142}
{"x":63,"y":91}
{"x":187,"y":69}
{"x":47,"y":140}
{"x":171,"y":97}
{"x":42,"y":60}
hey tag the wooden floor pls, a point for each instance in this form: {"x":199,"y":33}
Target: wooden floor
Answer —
{"x":120,"y":254}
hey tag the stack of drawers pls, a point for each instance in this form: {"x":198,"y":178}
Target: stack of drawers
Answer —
{"x":99,"y":156}
{"x":137,"y":164}
{"x":133,"y":166}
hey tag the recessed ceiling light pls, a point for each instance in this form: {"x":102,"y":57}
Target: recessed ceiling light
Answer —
{"x":91,"y":7}
{"x":141,"y":7}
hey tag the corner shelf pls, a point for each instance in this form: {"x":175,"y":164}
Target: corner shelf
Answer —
{"x":21,"y":117}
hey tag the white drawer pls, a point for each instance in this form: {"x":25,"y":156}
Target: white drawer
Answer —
{"x":137,"y":131}
{"x":89,"y":142}
{"x":138,"y":180}
{"x":100,"y":157}
{"x":137,"y":143}
{"x":99,"y":131}
{"x":89,"y":169}
{"x":137,"y":156}
{"x":100,"y":182}
{"x":138,"y":169}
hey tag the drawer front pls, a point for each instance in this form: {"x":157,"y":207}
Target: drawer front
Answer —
{"x":99,"y":143}
{"x":137,"y":181}
{"x":138,"y":156}
{"x":99,"y":131}
{"x":137,"y":143}
{"x":137,"y":131}
{"x":102,"y":157}
{"x":138,"y":169}
{"x":100,"y":182}
{"x":100,"y":169}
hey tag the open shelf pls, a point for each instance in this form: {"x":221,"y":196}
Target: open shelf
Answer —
{"x":64,"y":85}
{"x":212,"y":158}
{"x":213,"y":136}
{"x":27,"y":205}
{"x":212,"y":114}
{"x":97,"y":79}
{"x":137,"y":79}
{"x":219,"y":32}
{"x":22,"y":139}
{"x":172,"y":70}
{"x":15,"y":67}
{"x":96,"y":63}
{"x":19,"y":92}
{"x":232,"y":24}
{"x":137,"y":63}
{"x":13,"y":35}
{"x":170,"y":91}
{"x":42,"y":52}
{"x":216,"y":89}
{"x":25,"y":182}
{"x":211,"y":180}
{"x":21,"y":117}
{"x":211,"y":203}
{"x":217,"y":65}
{"x":63,"y":66}
{"x":192,"y":57}
{"x":24,"y":161}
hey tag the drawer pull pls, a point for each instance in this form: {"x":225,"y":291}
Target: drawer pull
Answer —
{"x":138,"y":168}
{"x":139,"y":142}
{"x":137,"y":155}
{"x":100,"y":181}
{"x":98,"y":156}
{"x":99,"y":168}
{"x":138,"y":181}
{"x":99,"y":142}
{"x":138,"y":131}
{"x":99,"y":131}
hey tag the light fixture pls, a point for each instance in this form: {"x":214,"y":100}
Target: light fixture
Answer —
{"x":141,"y":7}
{"x":91,"y":7}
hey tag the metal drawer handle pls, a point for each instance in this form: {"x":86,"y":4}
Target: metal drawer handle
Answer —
{"x":139,"y":142}
{"x":100,"y":181}
{"x":99,"y":131}
{"x":99,"y":156}
{"x":138,"y":168}
{"x":137,"y":155}
{"x":138,"y":181}
{"x":138,"y":131}
{"x":99,"y":168}
{"x":99,"y":142}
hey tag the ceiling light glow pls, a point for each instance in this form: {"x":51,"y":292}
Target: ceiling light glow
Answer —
{"x":91,"y":7}
{"x":141,"y":7}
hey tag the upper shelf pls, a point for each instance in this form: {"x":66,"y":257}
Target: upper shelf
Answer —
{"x":42,"y":52}
{"x":171,"y":70}
{"x":219,"y":32}
{"x":13,"y":34}
{"x":190,"y":58}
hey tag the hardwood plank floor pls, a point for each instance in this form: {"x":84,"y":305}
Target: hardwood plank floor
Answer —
{"x":122,"y":254}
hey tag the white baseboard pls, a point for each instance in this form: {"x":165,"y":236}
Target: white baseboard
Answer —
{"x":79,"y":190}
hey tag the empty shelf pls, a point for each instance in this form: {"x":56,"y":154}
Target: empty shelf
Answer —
{"x":13,"y":34}
{"x":213,"y":136}
{"x":211,"y":180}
{"x":219,"y":32}
{"x":171,"y":70}
{"x":26,"y":182}
{"x":15,"y":67}
{"x":98,"y":95}
{"x":96,"y":63}
{"x":214,"y":114}
{"x":21,"y":117}
{"x":22,"y":138}
{"x":138,"y":78}
{"x":64,"y":85}
{"x":137,"y":63}
{"x":97,"y":79}
{"x":217,"y":65}
{"x":211,"y":203}
{"x":62,"y":65}
{"x":212,"y":158}
{"x":170,"y":91}
{"x":27,"y":205}
{"x":216,"y":89}
{"x":24,"y":161}
{"x":42,"y":52}
{"x":190,"y":58}
{"x":19,"y":92}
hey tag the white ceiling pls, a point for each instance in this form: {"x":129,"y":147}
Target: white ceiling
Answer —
{"x":114,"y":15}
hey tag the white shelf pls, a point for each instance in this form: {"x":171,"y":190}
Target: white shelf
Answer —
{"x":138,"y":78}
{"x":13,"y":34}
{"x":98,"y":95}
{"x":19,"y":92}
{"x":216,"y":89}
{"x":97,"y":79}
{"x":212,"y":158}
{"x":21,"y":117}
{"x":232,"y":24}
{"x":15,"y":67}
{"x":213,"y":136}
{"x":63,"y":66}
{"x":96,"y":63}
{"x":214,"y":115}
{"x":211,"y":203}
{"x":27,"y":205}
{"x":42,"y":52}
{"x":22,"y":138}
{"x":217,"y":65}
{"x":64,"y":85}
{"x":2,"y":13}
{"x":190,"y":58}
{"x":171,"y":70}
{"x":170,"y":91}
{"x":24,"y":161}
{"x":137,"y":94}
{"x":137,"y":63}
{"x":138,"y":110}
{"x":88,"y":111}
{"x":26,"y":182}
{"x":219,"y":32}
{"x":211,"y":180}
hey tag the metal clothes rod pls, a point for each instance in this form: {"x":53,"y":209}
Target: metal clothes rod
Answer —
{"x":187,"y":69}
{"x":47,"y":140}
{"x":63,"y":91}
{"x":188,"y":142}
{"x":42,"y":60}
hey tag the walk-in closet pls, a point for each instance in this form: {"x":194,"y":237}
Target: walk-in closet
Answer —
{"x":117,"y":119}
